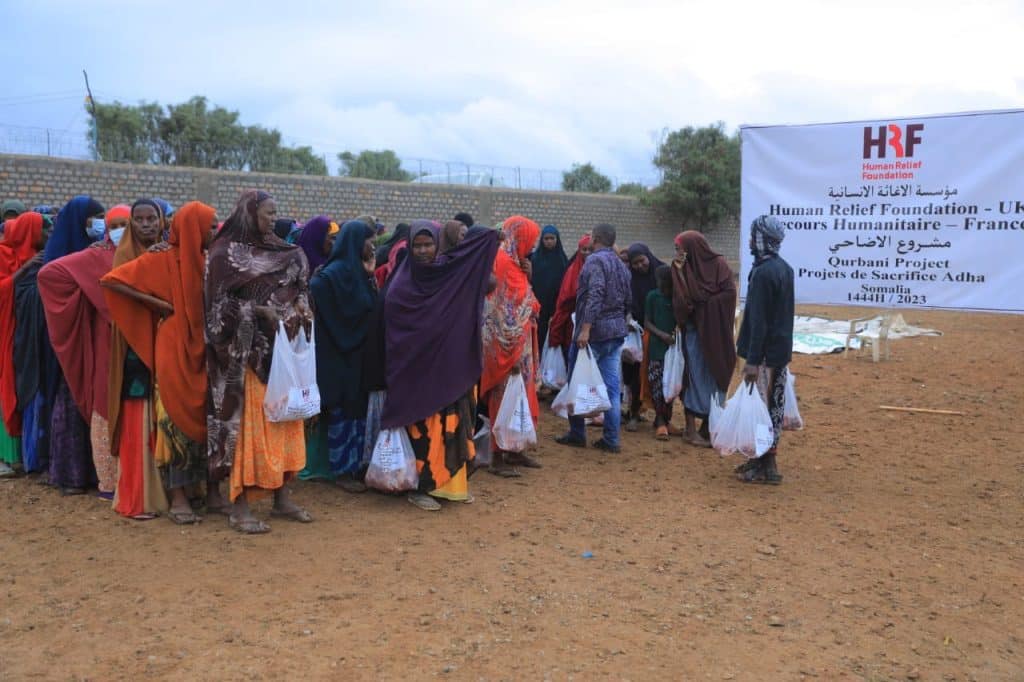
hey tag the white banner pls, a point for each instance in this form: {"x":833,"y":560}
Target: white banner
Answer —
{"x":909,"y":212}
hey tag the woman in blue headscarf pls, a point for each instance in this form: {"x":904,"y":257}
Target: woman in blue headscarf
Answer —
{"x":64,"y":446}
{"x":344,"y":297}
{"x":549,"y":264}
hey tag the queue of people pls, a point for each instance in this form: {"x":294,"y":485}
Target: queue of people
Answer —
{"x":138,"y":342}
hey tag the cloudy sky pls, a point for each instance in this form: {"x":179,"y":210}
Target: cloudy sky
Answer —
{"x":516,"y":82}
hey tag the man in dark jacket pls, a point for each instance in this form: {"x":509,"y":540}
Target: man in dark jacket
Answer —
{"x":766,"y":336}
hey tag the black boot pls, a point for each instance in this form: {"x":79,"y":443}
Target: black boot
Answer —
{"x":751,"y":471}
{"x":771,"y":470}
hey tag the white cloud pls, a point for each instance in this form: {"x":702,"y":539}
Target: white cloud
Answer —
{"x":534,"y":84}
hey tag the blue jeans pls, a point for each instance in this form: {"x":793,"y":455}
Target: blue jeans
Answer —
{"x":609,"y":360}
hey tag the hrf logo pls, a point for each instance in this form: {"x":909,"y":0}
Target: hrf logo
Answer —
{"x":902,"y":143}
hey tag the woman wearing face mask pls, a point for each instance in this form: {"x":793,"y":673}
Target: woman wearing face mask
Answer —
{"x":64,"y":446}
{"x":253,"y":281}
{"x":434,"y":314}
{"x":115,"y":222}
{"x":79,"y":324}
{"x":22,"y":240}
{"x":156,"y":302}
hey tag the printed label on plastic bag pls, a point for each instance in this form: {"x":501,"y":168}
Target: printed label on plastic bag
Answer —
{"x":590,"y":398}
{"x":763,"y":438}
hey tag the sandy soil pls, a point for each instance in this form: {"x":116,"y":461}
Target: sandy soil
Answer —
{"x":892,"y":551}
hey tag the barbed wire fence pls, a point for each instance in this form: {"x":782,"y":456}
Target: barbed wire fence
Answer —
{"x":74,"y":144}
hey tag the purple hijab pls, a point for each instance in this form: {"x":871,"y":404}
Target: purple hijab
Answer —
{"x":434,"y":314}
{"x":311,"y":241}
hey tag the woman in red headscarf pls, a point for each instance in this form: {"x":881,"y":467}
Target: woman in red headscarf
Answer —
{"x":510,"y":332}
{"x":560,"y":328}
{"x":23,"y":237}
{"x":383,"y":273}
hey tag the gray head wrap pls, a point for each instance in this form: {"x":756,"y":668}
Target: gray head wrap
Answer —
{"x":768,"y":235}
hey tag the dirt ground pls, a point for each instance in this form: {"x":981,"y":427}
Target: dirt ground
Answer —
{"x":893,"y":550}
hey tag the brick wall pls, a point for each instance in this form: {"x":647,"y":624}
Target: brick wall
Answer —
{"x":45,"y":180}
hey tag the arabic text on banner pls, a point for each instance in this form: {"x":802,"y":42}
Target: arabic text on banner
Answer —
{"x":913,"y":212}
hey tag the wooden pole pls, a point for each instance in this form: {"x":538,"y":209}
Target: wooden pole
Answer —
{"x":923,"y":410}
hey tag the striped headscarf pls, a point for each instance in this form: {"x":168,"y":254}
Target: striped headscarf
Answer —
{"x":768,"y":234}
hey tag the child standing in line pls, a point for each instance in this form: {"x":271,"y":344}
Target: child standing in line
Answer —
{"x":660,"y":323}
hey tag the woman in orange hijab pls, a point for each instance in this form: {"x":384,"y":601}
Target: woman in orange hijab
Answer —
{"x":168,"y":284}
{"x":510,"y":332}
{"x":139,"y":492}
{"x":23,"y":237}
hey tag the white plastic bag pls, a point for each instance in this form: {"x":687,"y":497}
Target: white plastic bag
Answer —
{"x":791,"y":419}
{"x":672,"y":371}
{"x":513,"y":427}
{"x":482,"y":444}
{"x":633,"y":348}
{"x":393,"y":465}
{"x":715,"y":415}
{"x":553,"y":373}
{"x":560,"y":405}
{"x":588,"y":395}
{"x":292,"y":393}
{"x":745,"y":427}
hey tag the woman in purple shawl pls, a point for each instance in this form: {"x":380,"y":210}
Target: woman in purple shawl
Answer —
{"x":316,"y":241}
{"x":434,"y":313}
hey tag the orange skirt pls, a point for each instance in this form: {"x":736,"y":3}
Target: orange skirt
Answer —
{"x":268,"y":454}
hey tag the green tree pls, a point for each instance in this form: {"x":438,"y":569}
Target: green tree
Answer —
{"x":374,"y":165}
{"x":700,"y":175}
{"x":585,"y":178}
{"x":632,"y":189}
{"x":126,"y":134}
{"x":195,"y":134}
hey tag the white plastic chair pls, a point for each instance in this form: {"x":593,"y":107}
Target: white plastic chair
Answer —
{"x":878,"y":339}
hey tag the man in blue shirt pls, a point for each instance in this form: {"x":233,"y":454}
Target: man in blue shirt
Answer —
{"x":602,"y":304}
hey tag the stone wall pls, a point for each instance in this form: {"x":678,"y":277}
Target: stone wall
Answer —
{"x":46,"y":180}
